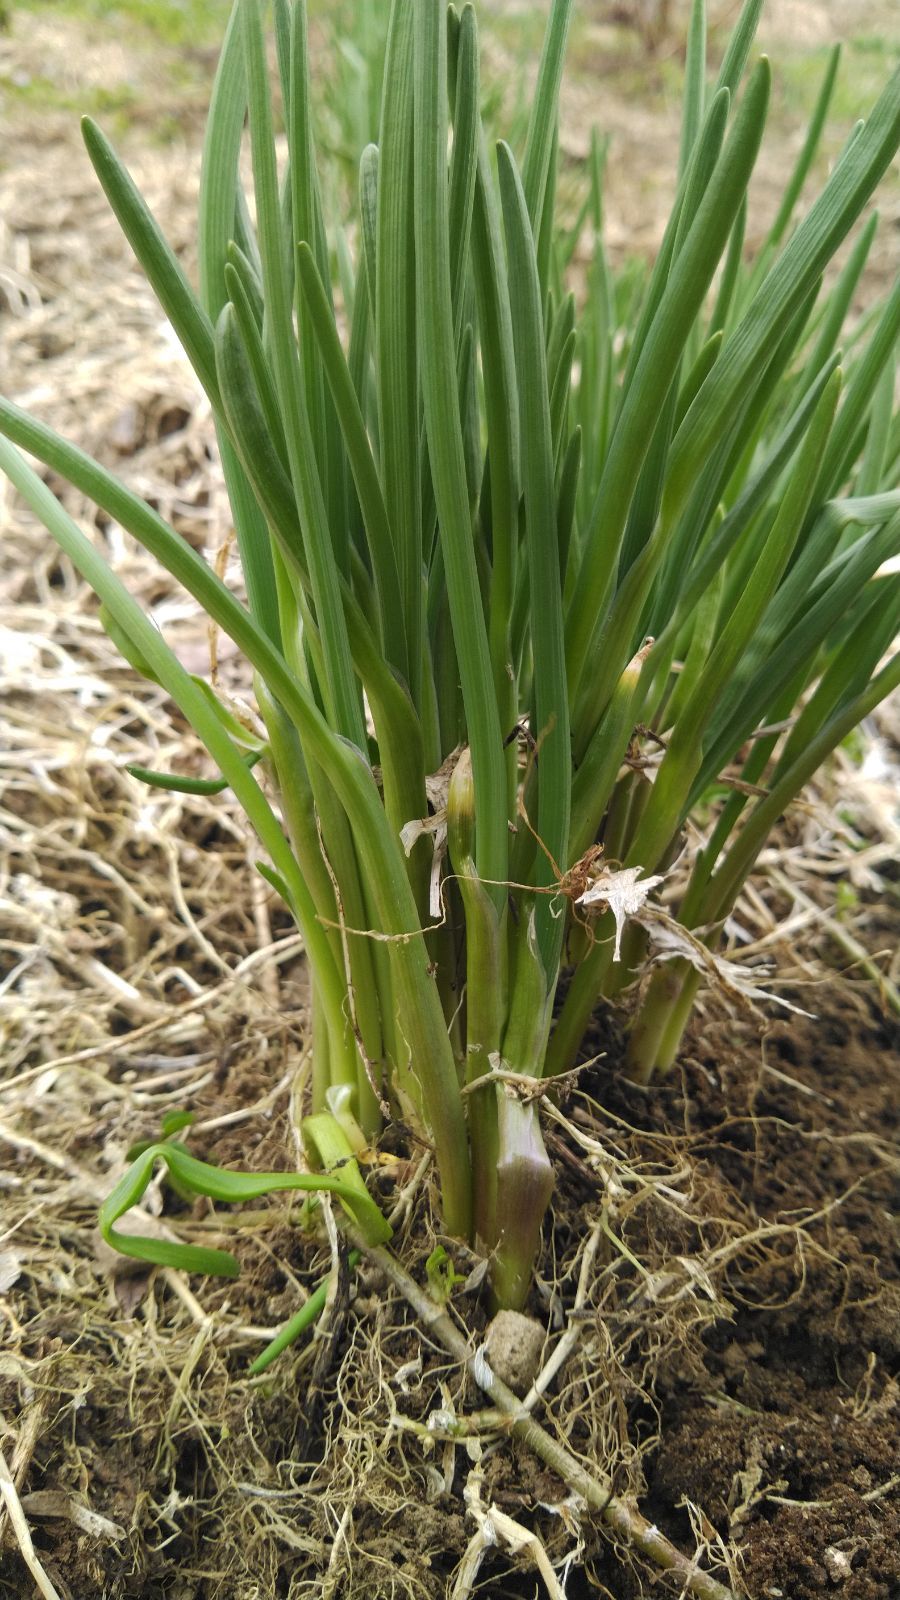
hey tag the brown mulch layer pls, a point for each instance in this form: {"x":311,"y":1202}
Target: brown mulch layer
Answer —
{"x":738,"y":1369}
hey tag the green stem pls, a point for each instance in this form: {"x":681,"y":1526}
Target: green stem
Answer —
{"x":445,"y":442}
{"x":524,"y":1172}
{"x":669,"y":1012}
{"x":485,"y":997}
{"x":321,"y":1048}
{"x":653,"y":1020}
{"x":306,"y":795}
{"x":420,"y":1018}
{"x":578,"y":1007}
{"x":597,"y":772}
{"x":673,"y":1033}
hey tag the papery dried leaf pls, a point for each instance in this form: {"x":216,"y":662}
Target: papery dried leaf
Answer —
{"x":412,"y":832}
{"x":671,"y":941}
{"x":437,"y":787}
{"x":622,"y":893}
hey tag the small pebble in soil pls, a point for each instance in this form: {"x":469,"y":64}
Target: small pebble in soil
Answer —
{"x":513,"y":1345}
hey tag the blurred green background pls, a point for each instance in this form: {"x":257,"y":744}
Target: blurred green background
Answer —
{"x":144,"y":68}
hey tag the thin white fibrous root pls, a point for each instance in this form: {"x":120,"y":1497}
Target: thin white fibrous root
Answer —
{"x":622,"y":1517}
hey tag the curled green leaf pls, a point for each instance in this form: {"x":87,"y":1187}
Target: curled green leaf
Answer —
{"x":177,"y":783}
{"x":201,"y":1178}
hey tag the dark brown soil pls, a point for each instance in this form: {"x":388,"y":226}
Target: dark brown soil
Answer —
{"x":746,"y":1348}
{"x":770,"y":1421}
{"x":787,"y":1436}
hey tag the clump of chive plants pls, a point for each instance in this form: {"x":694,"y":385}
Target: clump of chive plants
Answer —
{"x":499,"y":549}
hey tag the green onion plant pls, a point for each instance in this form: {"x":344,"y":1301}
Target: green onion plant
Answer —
{"x":532,"y":575}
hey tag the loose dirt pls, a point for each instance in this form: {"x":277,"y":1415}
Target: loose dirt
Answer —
{"x":736,"y":1359}
{"x":786,"y":1432}
{"x":736,"y":1365}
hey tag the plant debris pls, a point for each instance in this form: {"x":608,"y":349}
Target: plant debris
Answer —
{"x":721,"y":1282}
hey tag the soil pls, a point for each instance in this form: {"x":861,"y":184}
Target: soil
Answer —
{"x":738,"y":1366}
{"x":739,"y":1370}
{"x":786,"y":1432}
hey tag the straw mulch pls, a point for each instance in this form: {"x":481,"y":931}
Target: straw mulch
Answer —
{"x":145,"y":967}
